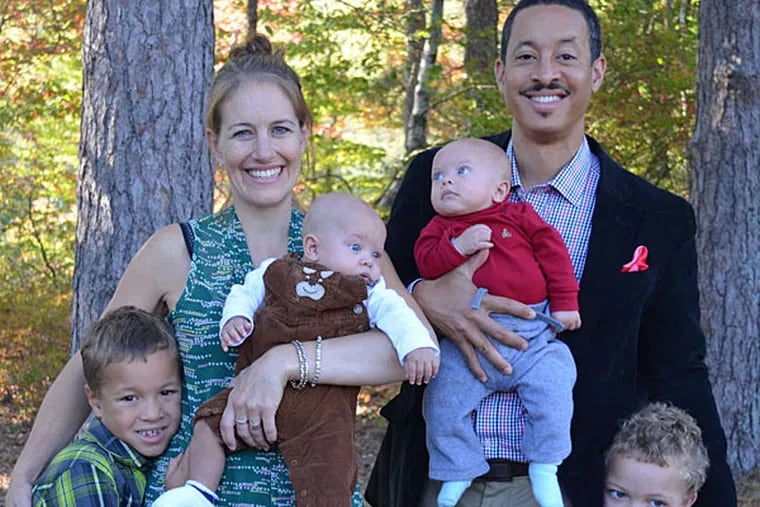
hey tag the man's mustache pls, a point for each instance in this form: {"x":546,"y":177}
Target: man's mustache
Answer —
{"x":539,"y":87}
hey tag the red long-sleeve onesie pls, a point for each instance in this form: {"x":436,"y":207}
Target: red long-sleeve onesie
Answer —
{"x":528,"y":262}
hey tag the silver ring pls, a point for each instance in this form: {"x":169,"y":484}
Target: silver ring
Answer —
{"x":255,"y":425}
{"x":241,"y":420}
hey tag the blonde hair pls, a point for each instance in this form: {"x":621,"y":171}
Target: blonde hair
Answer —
{"x":124,"y":334}
{"x":255,"y":61}
{"x":333,"y":211}
{"x":666,"y":436}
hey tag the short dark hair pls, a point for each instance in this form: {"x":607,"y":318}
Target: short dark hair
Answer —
{"x":124,"y":334}
{"x":592,"y":22}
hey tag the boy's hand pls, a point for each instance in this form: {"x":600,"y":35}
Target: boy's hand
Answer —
{"x":235,"y":331}
{"x":571,"y":320}
{"x":474,"y":238}
{"x":421,"y":365}
{"x":176,"y":471}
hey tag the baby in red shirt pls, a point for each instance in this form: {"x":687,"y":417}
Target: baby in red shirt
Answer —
{"x":528,"y":262}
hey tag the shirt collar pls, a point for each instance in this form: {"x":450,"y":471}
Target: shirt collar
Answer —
{"x":569,"y":180}
{"x":120,"y":451}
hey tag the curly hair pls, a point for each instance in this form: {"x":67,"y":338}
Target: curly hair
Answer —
{"x":666,"y":436}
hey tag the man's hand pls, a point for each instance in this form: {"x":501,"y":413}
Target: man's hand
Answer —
{"x":571,"y":320}
{"x":473,"y":239}
{"x":446,"y":302}
{"x":421,"y":365}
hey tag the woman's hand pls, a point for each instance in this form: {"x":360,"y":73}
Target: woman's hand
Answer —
{"x":255,"y":397}
{"x":19,"y":494}
{"x":447,"y":301}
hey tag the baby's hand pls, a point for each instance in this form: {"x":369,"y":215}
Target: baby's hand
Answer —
{"x":176,"y":472}
{"x":474,"y":238}
{"x":235,"y":331}
{"x":421,"y":365}
{"x":571,"y":320}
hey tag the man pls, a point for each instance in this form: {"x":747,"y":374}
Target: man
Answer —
{"x":640,"y":339}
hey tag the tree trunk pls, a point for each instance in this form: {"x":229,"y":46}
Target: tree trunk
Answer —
{"x":415,"y":43}
{"x":725,"y":186}
{"x":252,"y":18}
{"x":416,"y":127}
{"x":415,"y":25}
{"x":482,"y":17}
{"x":144,"y":162}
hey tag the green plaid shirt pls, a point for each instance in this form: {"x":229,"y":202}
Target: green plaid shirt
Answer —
{"x":96,"y":470}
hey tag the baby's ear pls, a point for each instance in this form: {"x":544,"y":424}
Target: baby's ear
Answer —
{"x":501,"y":192}
{"x":692,"y":499}
{"x":93,"y":400}
{"x":311,"y":248}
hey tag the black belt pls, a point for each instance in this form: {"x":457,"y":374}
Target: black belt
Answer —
{"x":504,"y":470}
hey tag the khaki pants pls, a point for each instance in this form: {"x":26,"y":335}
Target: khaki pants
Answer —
{"x":486,"y":494}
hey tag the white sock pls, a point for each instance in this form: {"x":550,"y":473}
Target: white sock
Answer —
{"x":451,"y":492}
{"x":543,"y":480}
{"x":192,"y":494}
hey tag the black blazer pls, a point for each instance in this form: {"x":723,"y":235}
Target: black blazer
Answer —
{"x":640,"y":340}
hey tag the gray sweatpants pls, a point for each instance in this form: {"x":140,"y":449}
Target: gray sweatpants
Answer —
{"x":543,"y":376}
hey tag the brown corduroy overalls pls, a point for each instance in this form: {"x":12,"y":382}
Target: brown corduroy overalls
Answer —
{"x":315,"y":425}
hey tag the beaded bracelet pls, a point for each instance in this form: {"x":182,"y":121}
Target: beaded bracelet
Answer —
{"x":303,"y":366}
{"x":317,"y":363}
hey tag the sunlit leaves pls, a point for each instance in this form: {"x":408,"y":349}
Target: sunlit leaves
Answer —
{"x":644,"y":113}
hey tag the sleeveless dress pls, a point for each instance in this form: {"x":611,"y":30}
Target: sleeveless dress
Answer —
{"x":220,"y":259}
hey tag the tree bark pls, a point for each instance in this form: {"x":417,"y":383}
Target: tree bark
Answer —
{"x":144,"y":162}
{"x":415,"y":44}
{"x":725,"y":162}
{"x":251,"y":10}
{"x":416,"y":127}
{"x":482,"y":17}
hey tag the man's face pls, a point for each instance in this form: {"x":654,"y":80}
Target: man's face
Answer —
{"x":547,"y":76}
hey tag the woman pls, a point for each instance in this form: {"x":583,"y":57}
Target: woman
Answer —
{"x":257,"y":128}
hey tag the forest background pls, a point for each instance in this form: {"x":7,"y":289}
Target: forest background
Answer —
{"x":361,"y":65}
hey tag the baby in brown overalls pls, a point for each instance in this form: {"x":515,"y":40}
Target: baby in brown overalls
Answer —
{"x":335,"y":291}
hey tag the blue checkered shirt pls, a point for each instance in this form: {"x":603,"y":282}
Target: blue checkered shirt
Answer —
{"x":567,"y":203}
{"x":97,"y":470}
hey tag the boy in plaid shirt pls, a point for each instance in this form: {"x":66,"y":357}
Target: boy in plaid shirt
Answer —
{"x":133,"y":384}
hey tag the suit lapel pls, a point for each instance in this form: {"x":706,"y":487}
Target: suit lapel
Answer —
{"x":611,"y":243}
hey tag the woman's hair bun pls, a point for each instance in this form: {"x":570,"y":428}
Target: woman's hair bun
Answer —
{"x":258,"y":45}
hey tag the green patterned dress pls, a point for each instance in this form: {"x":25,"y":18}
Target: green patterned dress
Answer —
{"x":221,"y":259}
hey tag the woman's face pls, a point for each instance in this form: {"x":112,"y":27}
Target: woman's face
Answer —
{"x":260,"y":143}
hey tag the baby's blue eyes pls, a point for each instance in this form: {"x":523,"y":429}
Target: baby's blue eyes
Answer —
{"x":356,"y":248}
{"x":462,"y":170}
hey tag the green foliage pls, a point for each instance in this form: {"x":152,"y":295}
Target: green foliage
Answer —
{"x":644,"y":113}
{"x":33,"y":345}
{"x":40,"y":79}
{"x":348,"y":56}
